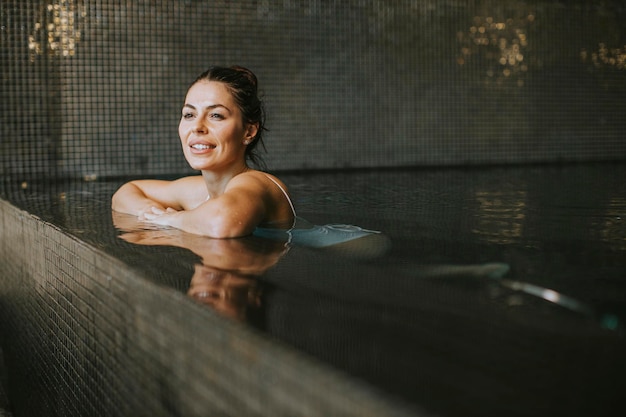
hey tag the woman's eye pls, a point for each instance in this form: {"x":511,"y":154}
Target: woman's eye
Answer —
{"x":216,"y":116}
{"x":187,"y":116}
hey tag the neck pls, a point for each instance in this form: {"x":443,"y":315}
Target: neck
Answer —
{"x":216,"y":182}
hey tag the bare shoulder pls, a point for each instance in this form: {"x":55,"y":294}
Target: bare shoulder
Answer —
{"x":271,"y":191}
{"x":258,"y":181}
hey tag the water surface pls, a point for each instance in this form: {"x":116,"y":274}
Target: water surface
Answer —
{"x":497,"y":290}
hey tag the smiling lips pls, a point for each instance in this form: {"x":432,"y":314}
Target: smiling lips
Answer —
{"x":201,"y":147}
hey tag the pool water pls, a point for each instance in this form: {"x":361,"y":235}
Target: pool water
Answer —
{"x":497,"y":290}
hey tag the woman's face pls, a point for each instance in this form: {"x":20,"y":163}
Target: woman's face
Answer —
{"x":228,"y":293}
{"x":211,"y":129}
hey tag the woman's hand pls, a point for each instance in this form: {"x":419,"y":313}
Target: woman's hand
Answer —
{"x":160,"y":216}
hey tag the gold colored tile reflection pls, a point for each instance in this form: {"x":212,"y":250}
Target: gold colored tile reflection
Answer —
{"x":498,"y":46}
{"x":58,"y":29}
{"x":605,"y":57}
{"x":613,"y":230}
{"x":500,"y":216}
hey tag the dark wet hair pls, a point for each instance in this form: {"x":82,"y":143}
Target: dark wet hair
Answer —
{"x":243,"y":85}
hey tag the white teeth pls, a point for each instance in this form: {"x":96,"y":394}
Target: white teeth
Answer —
{"x":202,"y":147}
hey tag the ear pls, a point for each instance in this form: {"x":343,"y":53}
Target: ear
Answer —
{"x":250,"y":133}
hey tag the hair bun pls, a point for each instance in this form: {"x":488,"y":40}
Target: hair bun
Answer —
{"x":246,"y":73}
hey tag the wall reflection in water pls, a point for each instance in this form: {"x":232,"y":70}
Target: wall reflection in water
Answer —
{"x":613,"y":227}
{"x":539,"y":211}
{"x":500,"y":216}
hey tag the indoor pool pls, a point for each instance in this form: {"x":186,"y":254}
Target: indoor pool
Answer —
{"x":492,"y":291}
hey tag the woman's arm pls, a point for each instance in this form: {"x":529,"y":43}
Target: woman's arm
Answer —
{"x":235,"y":213}
{"x":142,"y":196}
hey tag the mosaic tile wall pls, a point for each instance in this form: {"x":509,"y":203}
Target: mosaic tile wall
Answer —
{"x":93,"y":88}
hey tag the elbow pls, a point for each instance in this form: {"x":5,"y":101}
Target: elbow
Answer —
{"x":115,"y":201}
{"x":119,"y":200}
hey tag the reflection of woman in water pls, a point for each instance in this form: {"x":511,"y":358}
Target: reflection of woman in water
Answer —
{"x":222,"y":123}
{"x":226,"y":279}
{"x":230,"y":294}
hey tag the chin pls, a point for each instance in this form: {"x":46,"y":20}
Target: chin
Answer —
{"x":199,"y":167}
{"x":194,"y":163}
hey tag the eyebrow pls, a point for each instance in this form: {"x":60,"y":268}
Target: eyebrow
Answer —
{"x":211,"y":107}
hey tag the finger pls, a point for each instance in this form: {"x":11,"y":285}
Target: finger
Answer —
{"x":150,"y":216}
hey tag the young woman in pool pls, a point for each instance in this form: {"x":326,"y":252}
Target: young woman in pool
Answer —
{"x":222,"y":123}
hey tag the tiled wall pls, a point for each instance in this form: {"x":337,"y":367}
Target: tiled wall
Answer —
{"x":83,"y":335}
{"x":94,"y":88}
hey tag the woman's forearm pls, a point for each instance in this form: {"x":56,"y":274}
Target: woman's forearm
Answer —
{"x":206,"y":222}
{"x":131,"y":200}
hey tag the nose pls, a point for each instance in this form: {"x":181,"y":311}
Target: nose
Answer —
{"x":200,"y":126}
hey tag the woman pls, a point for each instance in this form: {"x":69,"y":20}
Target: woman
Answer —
{"x":222,"y":123}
